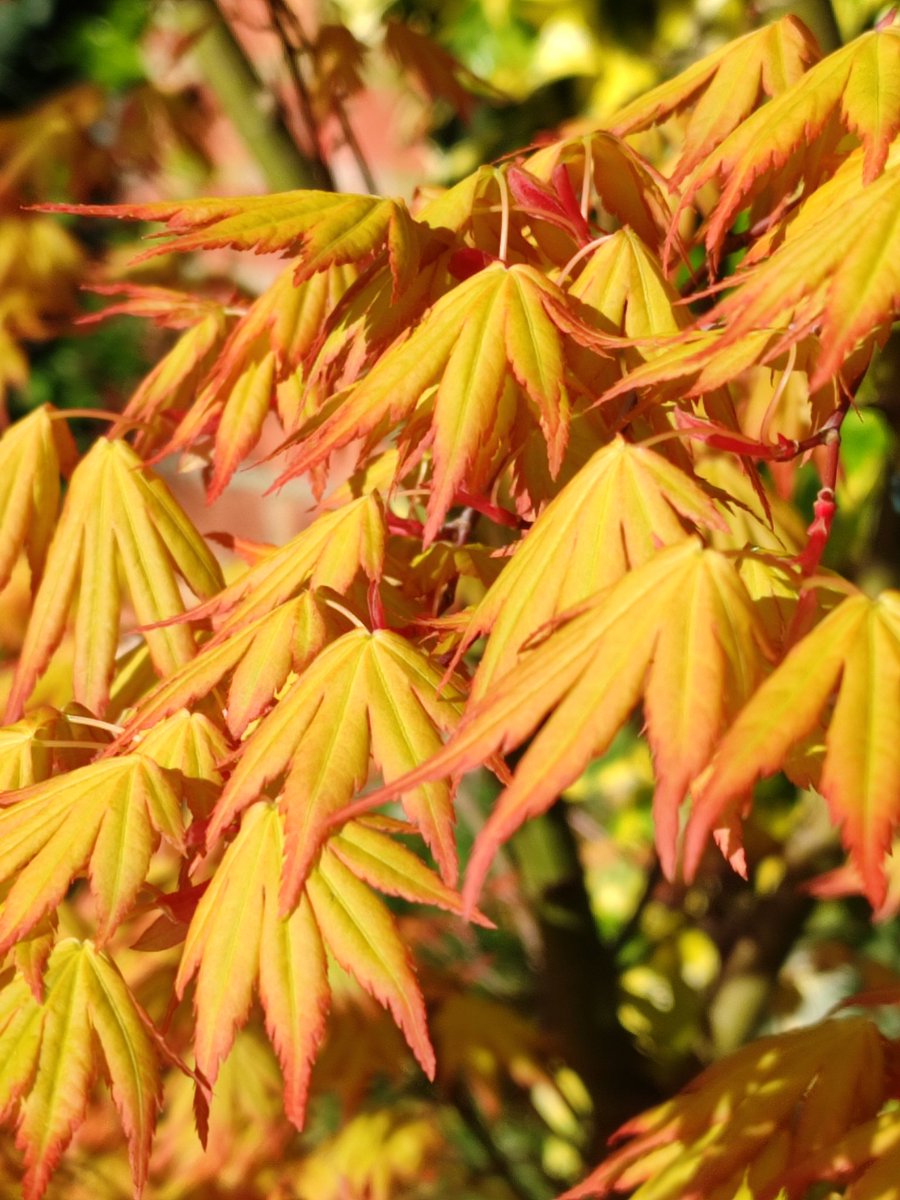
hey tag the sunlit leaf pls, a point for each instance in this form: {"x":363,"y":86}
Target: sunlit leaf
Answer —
{"x":116,"y":518}
{"x":106,"y":818}
{"x":849,"y":669}
{"x":365,"y":695}
{"x":49,"y":1053}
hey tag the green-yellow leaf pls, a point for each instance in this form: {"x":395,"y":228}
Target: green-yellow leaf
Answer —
{"x":721,"y":90}
{"x":320,"y":229}
{"x":49,"y":1053}
{"x":367,"y":694}
{"x":846,"y":288}
{"x":853,"y":660}
{"x":106,"y":816}
{"x":855,"y":91}
{"x":116,"y":517}
{"x":239,"y":942}
{"x":32,"y":452}
{"x":501,"y":322}
{"x":615,"y":513}
{"x":24,"y":759}
{"x":754,"y":1117}
{"x":679,"y":632}
{"x":331,"y":552}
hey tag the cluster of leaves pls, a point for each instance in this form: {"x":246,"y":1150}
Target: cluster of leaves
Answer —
{"x":549,"y":437}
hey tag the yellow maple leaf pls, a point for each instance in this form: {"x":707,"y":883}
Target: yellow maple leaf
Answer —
{"x":116,"y":516}
{"x":48,"y":1052}
{"x":850,"y":665}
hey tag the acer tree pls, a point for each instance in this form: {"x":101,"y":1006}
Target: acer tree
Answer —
{"x":560,"y":422}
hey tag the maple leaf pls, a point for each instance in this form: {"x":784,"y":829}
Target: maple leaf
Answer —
{"x":115,"y":516}
{"x":366,"y":693}
{"x":320,"y":229}
{"x":48,"y":1053}
{"x":166,"y":307}
{"x":33,"y":451}
{"x":331,"y":552}
{"x":624,"y":182}
{"x":175,"y":380}
{"x":501,"y":323}
{"x":721,"y":90}
{"x":107,"y":816}
{"x":851,"y":659}
{"x":339,"y":59}
{"x":763,"y":1110}
{"x":868,"y":1157}
{"x":438,"y":73}
{"x":259,"y":657}
{"x":264,"y":349}
{"x":188,"y":743}
{"x":239,"y":940}
{"x":851,"y":91}
{"x":848,"y":291}
{"x":480,"y":1042}
{"x":379,"y":1154}
{"x":615,"y":513}
{"x":366,"y":320}
{"x":623,"y":280}
{"x":24,"y":759}
{"x":680,"y":631}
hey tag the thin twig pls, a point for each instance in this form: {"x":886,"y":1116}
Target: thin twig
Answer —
{"x":280,"y":18}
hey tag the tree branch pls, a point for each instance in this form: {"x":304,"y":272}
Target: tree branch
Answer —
{"x":244,"y":97}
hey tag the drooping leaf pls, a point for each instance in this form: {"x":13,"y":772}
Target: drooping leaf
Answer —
{"x":115,"y":517}
{"x":721,"y":90}
{"x":680,"y":632}
{"x":264,"y":351}
{"x":106,"y":817}
{"x":331,"y":552}
{"x":620,"y":507}
{"x":366,"y":694}
{"x":32,"y":453}
{"x":320,"y":229}
{"x":847,"y":289}
{"x":851,"y":91}
{"x":852,"y":658}
{"x":49,"y":1053}
{"x":173,"y":383}
{"x":502,"y":324}
{"x":239,"y":942}
{"x":763,"y":1111}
